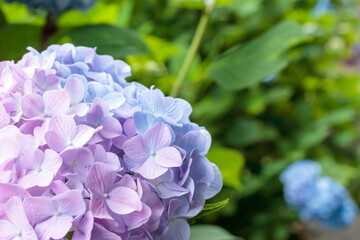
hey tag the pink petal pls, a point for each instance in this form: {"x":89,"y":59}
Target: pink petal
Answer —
{"x":129,"y":127}
{"x":8,"y":191}
{"x":65,"y":126}
{"x":82,"y":135}
{"x":9,"y":131}
{"x":99,"y":232}
{"x":32,"y":179}
{"x":4,"y":117}
{"x":58,"y":187}
{"x":31,"y":158}
{"x":128,"y":181}
{"x":55,"y":141}
{"x":39,"y":208}
{"x":138,"y":218}
{"x":55,"y":227}
{"x":168,"y":157}
{"x":52,"y":161}
{"x":32,"y":105}
{"x":123,"y":200}
{"x":9,"y":149}
{"x":136,"y":150}
{"x":77,"y":161}
{"x":15,"y":212}
{"x":44,"y":178}
{"x":98,"y":111}
{"x":79,"y":109}
{"x":71,"y":203}
{"x":84,"y":227}
{"x":39,"y":131}
{"x":101,"y":178}
{"x":150,"y":169}
{"x":119,"y":141}
{"x":98,"y":207}
{"x":76,"y":90}
{"x":157,"y":137}
{"x":7,"y":230}
{"x":56,"y":102}
{"x":111,"y":128}
{"x":112,"y":160}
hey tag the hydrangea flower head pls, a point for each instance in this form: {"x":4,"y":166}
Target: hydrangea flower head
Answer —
{"x":84,"y":151}
{"x":57,"y":6}
{"x":300,"y":178}
{"x":317,"y":198}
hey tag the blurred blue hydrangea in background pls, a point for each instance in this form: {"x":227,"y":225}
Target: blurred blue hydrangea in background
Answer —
{"x":57,"y":7}
{"x":321,"y":7}
{"x":317,"y":197}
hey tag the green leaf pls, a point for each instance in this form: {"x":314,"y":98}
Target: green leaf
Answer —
{"x":213,"y":207}
{"x":230,"y":163}
{"x":312,"y":136}
{"x":17,"y":13}
{"x":161,"y":48}
{"x":210,"y":232}
{"x":250,"y":131}
{"x":247,"y":64}
{"x":343,"y":173}
{"x":69,"y":235}
{"x":118,"y":42}
{"x":260,"y":181}
{"x":101,"y":13}
{"x":210,"y":208}
{"x":212,"y":107}
{"x":278,"y":94}
{"x":15,"y":38}
{"x":337,"y":117}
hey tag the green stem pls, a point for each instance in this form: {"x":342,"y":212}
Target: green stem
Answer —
{"x":48,"y":30}
{"x":200,"y":30}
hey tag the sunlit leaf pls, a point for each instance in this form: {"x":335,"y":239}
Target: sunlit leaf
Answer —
{"x":161,"y":48}
{"x":249,"y":63}
{"x":230,"y":163}
{"x":338,"y":116}
{"x":101,"y":14}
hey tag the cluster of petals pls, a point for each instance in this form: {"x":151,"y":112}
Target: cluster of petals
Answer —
{"x":57,"y":7}
{"x":85,"y":153}
{"x":316,"y":197}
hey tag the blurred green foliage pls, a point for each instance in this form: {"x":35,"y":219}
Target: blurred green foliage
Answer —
{"x":272,"y":81}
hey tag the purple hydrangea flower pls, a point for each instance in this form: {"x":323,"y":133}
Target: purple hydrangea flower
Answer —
{"x":151,"y":155}
{"x":16,"y":225}
{"x":84,"y":151}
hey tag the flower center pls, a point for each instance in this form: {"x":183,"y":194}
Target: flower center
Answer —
{"x":58,"y":214}
{"x":106,"y":195}
{"x":152,"y":153}
{"x":39,"y":169}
